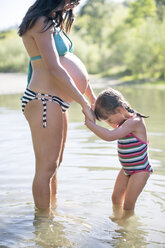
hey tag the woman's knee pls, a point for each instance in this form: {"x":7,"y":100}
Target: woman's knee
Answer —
{"x":52,"y":165}
{"x":47,"y":167}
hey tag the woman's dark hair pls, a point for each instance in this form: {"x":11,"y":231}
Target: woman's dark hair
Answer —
{"x":108,"y":101}
{"x":45,"y":8}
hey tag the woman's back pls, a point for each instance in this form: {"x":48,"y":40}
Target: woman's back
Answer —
{"x":41,"y":79}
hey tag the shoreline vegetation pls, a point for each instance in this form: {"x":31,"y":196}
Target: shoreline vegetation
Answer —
{"x":15,"y":83}
{"x":124,"y":47}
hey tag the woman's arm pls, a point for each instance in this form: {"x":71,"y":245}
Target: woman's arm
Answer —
{"x":46,"y":45}
{"x":109,"y":135}
{"x":91,"y":95}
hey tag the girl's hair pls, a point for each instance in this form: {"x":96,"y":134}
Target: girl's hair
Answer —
{"x":107,"y":102}
{"x":45,"y":8}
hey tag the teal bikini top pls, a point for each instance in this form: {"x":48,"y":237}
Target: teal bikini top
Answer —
{"x":62,"y":47}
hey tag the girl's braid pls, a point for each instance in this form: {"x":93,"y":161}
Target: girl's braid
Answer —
{"x":130,"y":110}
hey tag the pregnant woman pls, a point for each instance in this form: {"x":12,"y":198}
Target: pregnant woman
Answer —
{"x":56,"y":78}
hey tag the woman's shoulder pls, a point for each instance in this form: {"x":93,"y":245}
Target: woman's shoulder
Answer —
{"x":42,"y":24}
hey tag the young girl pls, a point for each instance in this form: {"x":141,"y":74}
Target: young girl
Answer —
{"x":130,"y":131}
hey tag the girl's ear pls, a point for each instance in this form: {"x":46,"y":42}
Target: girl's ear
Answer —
{"x":119,"y":110}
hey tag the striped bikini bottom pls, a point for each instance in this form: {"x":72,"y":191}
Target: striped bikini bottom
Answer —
{"x":31,"y":95}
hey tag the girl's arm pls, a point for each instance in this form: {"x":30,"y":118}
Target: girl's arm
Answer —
{"x":109,"y":135}
{"x":62,"y":80}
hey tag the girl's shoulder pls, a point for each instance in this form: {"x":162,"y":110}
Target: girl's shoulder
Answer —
{"x":134,"y":123}
{"x":136,"y":120}
{"x":138,"y":127}
{"x":133,"y":120}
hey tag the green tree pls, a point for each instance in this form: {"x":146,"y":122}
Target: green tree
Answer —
{"x":13,"y":57}
{"x":91,"y":25}
{"x":93,"y":19}
{"x":140,"y":10}
{"x":160,"y":4}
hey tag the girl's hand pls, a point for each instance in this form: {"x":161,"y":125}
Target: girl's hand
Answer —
{"x":88,"y":112}
{"x":88,"y":122}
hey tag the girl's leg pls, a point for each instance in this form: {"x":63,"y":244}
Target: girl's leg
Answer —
{"x":120,"y":188}
{"x":54,"y":178}
{"x":118,"y":194}
{"x":47,"y":145}
{"x":135,"y":186}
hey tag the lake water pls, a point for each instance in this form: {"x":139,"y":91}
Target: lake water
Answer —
{"x":86,"y":179}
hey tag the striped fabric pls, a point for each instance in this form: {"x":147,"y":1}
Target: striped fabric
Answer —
{"x":31,"y":95}
{"x":133,"y":154}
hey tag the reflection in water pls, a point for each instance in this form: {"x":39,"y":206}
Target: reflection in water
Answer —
{"x":86,"y":179}
{"x":120,"y":215}
{"x":131,"y":234}
{"x":50,"y":233}
{"x":49,"y":230}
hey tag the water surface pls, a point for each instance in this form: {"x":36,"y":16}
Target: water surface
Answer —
{"x":86,"y":179}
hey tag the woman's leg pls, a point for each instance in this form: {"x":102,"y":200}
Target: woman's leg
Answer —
{"x":54,"y":178}
{"x":64,"y":135}
{"x":47,"y":145}
{"x":135,"y":186}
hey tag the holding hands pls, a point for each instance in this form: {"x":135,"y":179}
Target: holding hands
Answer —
{"x":88,"y":112}
{"x":89,"y":123}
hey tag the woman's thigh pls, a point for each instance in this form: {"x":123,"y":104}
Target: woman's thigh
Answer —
{"x":47,"y":141}
{"x":64,"y":135}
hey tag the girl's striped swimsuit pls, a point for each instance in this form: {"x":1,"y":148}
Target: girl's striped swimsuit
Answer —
{"x":133,"y":155}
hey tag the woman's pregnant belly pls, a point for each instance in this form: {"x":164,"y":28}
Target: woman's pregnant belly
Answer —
{"x":77,"y":71}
